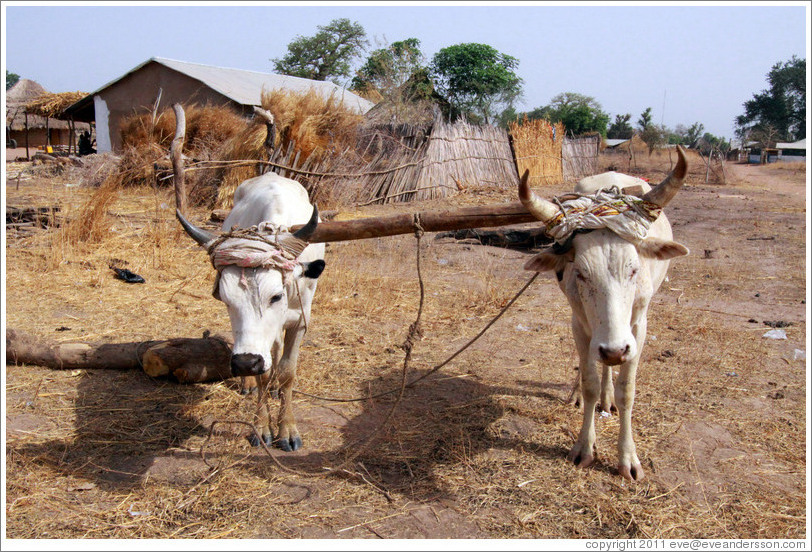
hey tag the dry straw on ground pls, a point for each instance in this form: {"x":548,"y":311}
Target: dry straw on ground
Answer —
{"x":477,"y":451}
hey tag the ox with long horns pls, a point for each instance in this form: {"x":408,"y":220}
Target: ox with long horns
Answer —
{"x":266,"y":276}
{"x":611,"y":254}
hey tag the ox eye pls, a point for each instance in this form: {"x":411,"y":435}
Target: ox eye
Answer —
{"x":633,"y":274}
{"x":276,"y":298}
{"x":580,"y":276}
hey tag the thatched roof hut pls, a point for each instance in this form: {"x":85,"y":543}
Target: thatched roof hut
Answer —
{"x":17,"y":97}
{"x":34,"y":116}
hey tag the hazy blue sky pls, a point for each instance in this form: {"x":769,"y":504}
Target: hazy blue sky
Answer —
{"x":689,"y":62}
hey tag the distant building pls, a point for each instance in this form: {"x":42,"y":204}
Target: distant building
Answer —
{"x":24,"y":128}
{"x":166,"y":82}
{"x":783,"y":151}
{"x":791,"y":151}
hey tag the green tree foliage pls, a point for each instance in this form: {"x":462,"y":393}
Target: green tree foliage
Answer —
{"x":687,"y":136}
{"x":708,"y":142}
{"x":578,"y":113}
{"x":326,"y":55}
{"x":388,"y":70}
{"x":645,"y":119}
{"x":782,"y":107}
{"x":655,"y":136}
{"x":621,"y":128}
{"x":11,"y":79}
{"x":477,"y":80}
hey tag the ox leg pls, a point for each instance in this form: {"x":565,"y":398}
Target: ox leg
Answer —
{"x":628,"y":462}
{"x":582,"y":453}
{"x":248,"y":385}
{"x":288,"y":438}
{"x":262,"y":420}
{"x":607,"y":403}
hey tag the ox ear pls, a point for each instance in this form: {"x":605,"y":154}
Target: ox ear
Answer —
{"x":313,"y":269}
{"x":547,"y":260}
{"x":215,"y":292}
{"x":661,"y":249}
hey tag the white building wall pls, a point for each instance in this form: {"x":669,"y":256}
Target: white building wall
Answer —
{"x":103,"y":141}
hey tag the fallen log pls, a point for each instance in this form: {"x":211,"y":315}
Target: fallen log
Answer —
{"x":188,"y":360}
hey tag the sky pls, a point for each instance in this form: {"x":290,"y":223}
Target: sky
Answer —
{"x":688,"y":61}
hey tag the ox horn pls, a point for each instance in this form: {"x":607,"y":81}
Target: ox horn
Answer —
{"x":202,"y":237}
{"x":296,"y":242}
{"x":540,"y":208}
{"x":307,"y":230}
{"x":665,"y":191}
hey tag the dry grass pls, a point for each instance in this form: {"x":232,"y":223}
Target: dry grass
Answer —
{"x":537,"y":146}
{"x":317,"y":125}
{"x":478,"y":451}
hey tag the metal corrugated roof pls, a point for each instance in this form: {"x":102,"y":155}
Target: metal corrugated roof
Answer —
{"x":612,"y":142}
{"x":246,"y":87}
{"x":800,"y":144}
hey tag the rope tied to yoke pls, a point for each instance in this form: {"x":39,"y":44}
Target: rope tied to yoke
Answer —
{"x":628,"y":216}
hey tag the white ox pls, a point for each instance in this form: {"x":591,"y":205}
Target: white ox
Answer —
{"x":267,"y":284}
{"x":609,"y":282}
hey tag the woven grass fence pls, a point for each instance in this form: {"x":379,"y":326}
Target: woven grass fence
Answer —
{"x":538,"y":148}
{"x":580,"y":156}
{"x":424,"y":164}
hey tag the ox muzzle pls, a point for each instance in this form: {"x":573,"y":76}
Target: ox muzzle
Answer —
{"x":247,"y":364}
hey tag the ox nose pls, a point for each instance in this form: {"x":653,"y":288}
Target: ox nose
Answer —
{"x":247,"y":364}
{"x":614,"y":356}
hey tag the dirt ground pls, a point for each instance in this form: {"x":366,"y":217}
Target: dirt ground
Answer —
{"x":475,"y":451}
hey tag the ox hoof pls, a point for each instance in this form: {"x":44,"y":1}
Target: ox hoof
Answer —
{"x":579,"y":458}
{"x":248,"y":390}
{"x":632,"y":473}
{"x":289,"y":445}
{"x":266,"y":438}
{"x":612,"y":410}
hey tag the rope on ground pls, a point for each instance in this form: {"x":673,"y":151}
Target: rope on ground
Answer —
{"x":439,"y":366}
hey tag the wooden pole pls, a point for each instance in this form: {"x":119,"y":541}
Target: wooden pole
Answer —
{"x":27,"y":155}
{"x":431,"y":221}
{"x":177,"y":158}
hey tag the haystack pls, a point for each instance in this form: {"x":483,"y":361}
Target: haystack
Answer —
{"x":538,"y":148}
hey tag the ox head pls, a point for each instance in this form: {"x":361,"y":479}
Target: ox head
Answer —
{"x":257,"y":282}
{"x":606,"y":277}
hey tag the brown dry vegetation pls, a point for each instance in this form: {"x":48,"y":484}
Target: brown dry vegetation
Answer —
{"x":475,"y":451}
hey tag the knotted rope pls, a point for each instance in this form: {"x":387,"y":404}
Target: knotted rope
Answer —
{"x":627,"y":216}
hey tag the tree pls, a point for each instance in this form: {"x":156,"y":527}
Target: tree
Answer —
{"x":476,"y":79}
{"x":11,"y":79}
{"x":326,"y":55}
{"x":645,"y":119}
{"x":388,"y":69}
{"x":578,"y":113}
{"x":621,"y":128}
{"x":708,"y":142}
{"x":687,"y":136}
{"x":781,"y":107}
{"x":654,"y":136}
